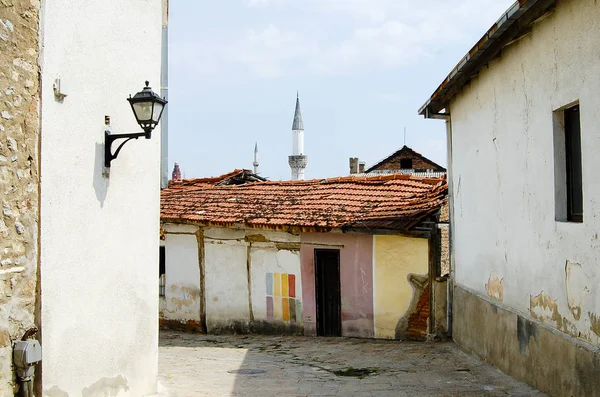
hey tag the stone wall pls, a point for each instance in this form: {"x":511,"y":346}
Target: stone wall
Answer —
{"x":444,"y":250}
{"x":19,"y":171}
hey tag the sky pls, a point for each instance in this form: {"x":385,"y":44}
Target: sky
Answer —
{"x":362,"y":69}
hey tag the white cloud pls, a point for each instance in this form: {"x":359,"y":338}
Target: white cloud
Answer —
{"x":344,"y":36}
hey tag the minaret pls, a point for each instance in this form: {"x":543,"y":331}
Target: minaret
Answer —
{"x":176,"y":175}
{"x":297,"y":160}
{"x":255,"y":163}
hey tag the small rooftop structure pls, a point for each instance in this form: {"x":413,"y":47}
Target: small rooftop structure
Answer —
{"x":403,"y":161}
{"x":235,"y":177}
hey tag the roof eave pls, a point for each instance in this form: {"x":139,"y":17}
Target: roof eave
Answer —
{"x":512,"y":24}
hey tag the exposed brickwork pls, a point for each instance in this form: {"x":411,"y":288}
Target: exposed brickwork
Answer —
{"x":19,"y":138}
{"x":444,"y":250}
{"x":419,"y":162}
{"x":444,"y":214}
{"x":418,"y":322}
{"x":186,"y":326}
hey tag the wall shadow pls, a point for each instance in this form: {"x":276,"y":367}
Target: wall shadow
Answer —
{"x":101,"y":182}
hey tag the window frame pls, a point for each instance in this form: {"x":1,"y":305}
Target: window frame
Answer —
{"x":574,"y":163}
{"x":162,"y":271}
{"x":568,"y":163}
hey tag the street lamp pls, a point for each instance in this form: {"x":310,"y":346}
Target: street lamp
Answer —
{"x":147,"y":107}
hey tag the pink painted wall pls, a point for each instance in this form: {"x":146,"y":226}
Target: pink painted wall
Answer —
{"x":356,"y":279}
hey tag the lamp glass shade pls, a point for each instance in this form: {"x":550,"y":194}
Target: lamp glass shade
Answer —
{"x":157,"y":112}
{"x":143,"y":111}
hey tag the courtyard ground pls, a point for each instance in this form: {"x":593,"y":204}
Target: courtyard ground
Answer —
{"x":266,"y":366}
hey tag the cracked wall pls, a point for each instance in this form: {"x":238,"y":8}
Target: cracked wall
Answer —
{"x":505,"y":208}
{"x":182,"y":301}
{"x":232,"y":280}
{"x":19,"y":174}
{"x":356,"y":281}
{"x":401,"y":277}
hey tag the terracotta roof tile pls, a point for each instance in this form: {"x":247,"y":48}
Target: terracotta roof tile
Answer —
{"x":393,"y":201}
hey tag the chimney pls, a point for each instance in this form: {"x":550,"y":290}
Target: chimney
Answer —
{"x":176,"y":175}
{"x":361,"y":167}
{"x":353,"y":165}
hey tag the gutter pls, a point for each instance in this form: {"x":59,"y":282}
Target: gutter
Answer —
{"x":164,"y":93}
{"x":513,"y":24}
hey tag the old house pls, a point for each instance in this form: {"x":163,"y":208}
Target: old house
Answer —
{"x":405,"y":161}
{"x":341,"y":257}
{"x":523,"y":132}
{"x":76,"y":241}
{"x":408,"y":161}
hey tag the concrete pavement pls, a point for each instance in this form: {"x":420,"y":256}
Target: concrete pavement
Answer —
{"x":267,"y":366}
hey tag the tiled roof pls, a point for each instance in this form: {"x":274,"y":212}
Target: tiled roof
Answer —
{"x":397,"y":202}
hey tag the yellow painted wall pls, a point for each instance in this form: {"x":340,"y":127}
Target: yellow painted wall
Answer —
{"x":395,"y":257}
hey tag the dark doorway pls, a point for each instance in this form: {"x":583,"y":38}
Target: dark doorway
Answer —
{"x":328,"y":297}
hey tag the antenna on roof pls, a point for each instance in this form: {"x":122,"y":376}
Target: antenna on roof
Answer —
{"x":404,"y":136}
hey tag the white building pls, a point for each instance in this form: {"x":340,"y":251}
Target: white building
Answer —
{"x":523,"y":134}
{"x":93,"y":249}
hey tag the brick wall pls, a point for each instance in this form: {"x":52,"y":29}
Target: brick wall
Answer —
{"x":418,"y":322}
{"x":19,"y":139}
{"x":417,"y":163}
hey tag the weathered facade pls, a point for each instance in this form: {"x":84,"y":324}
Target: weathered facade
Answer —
{"x":227,"y":279}
{"x":75,"y":239}
{"x":19,"y":178}
{"x":238,"y":258}
{"x":526,"y":258}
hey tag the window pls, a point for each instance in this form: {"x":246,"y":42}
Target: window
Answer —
{"x":574,"y":169}
{"x":161,"y":271}
{"x":568,"y":175}
{"x":406,"y":164}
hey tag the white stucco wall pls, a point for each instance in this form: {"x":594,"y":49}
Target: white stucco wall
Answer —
{"x":99,"y":246}
{"x":506,"y":235}
{"x":226,"y":277}
{"x":182,"y":274}
{"x":267,"y":258}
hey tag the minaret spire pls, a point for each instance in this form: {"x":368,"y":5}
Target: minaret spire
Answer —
{"x":297,"y":160}
{"x":255,"y":163}
{"x":297,"y":125}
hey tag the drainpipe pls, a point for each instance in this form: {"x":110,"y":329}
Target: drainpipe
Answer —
{"x":450,"y":285}
{"x":164,"y":92}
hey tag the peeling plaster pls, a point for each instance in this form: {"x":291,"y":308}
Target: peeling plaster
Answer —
{"x":577,"y":287}
{"x":107,"y":387}
{"x":495,"y":287}
{"x":55,"y":391}
{"x":545,"y":309}
{"x":594,"y":323}
{"x":182,"y":296}
{"x":418,"y":282}
{"x":542,"y":307}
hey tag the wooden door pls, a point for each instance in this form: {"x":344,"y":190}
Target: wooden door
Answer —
{"x":327,"y":288}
